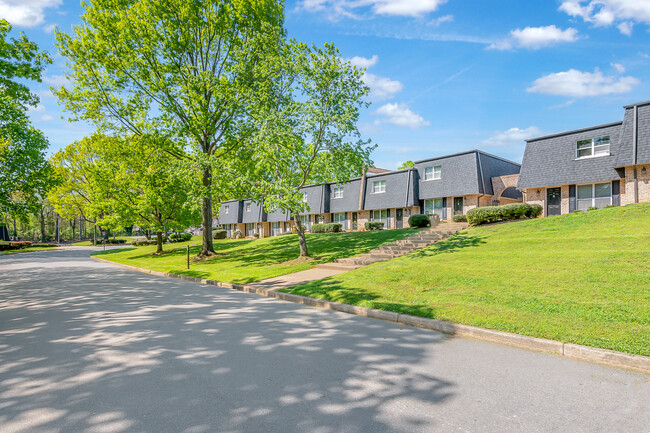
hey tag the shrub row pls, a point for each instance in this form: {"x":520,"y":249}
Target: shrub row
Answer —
{"x":374,"y":225}
{"x":460,"y":219}
{"x":110,"y":241}
{"x":14,"y":245}
{"x":180,"y":237}
{"x":219,"y":234}
{"x":419,"y":220}
{"x":145,"y":242}
{"x":489,"y":214}
{"x":326,"y":228}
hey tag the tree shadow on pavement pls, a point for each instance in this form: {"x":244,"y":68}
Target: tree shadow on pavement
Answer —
{"x":85,"y":346}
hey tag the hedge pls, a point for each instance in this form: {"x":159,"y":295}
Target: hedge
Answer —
{"x":326,"y":228}
{"x":490,"y":214}
{"x":145,"y":242}
{"x":219,"y":234}
{"x":114,"y":241}
{"x":419,"y":220}
{"x":14,"y":245}
{"x":180,"y":237}
{"x":374,"y":225}
{"x":460,"y":219}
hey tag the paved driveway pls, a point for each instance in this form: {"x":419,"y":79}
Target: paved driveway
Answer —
{"x":88,"y":347}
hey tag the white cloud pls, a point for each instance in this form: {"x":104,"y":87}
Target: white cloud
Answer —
{"x":49,"y":28}
{"x":604,"y":13}
{"x":443,"y":19}
{"x":619,"y":68}
{"x":401,"y":115}
{"x":26,"y":13}
{"x":56,"y":80}
{"x":578,"y":84}
{"x":535,"y":38}
{"x":353,"y":8}
{"x":512,"y":136}
{"x":364,"y":62}
{"x":381,"y":87}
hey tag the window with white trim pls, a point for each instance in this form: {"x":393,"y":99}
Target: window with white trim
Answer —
{"x":276,"y":230}
{"x":305,"y":221}
{"x":434,"y":206}
{"x":378,"y":186}
{"x":340,"y":218}
{"x":250,"y":229}
{"x":594,"y":195}
{"x":598,"y":146}
{"x":304,"y":197}
{"x":338,"y":192}
{"x":248,"y":207}
{"x":380,"y":215}
{"x":433,"y":173}
{"x":228,"y":229}
{"x":226,"y":209}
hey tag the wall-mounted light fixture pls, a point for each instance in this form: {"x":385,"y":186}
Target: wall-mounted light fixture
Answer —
{"x":538,"y":191}
{"x":643,"y":170}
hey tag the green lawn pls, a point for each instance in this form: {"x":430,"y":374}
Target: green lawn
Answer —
{"x":90,"y":243}
{"x":245,"y":260}
{"x":582,"y":278}
{"x":26,"y":250}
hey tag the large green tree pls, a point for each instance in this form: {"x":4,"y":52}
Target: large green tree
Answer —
{"x":24,"y":173}
{"x":191,"y":67}
{"x":307,"y":128}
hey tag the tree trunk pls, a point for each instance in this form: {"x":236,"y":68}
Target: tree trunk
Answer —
{"x":42,"y":226}
{"x":301,"y":237}
{"x":206,"y":215}
{"x":159,"y":244}
{"x":147,"y":234}
{"x":15,"y":232}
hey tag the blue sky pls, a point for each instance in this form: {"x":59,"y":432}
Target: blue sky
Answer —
{"x":446,"y":75}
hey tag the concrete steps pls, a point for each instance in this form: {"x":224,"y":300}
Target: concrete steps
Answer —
{"x":402,"y":247}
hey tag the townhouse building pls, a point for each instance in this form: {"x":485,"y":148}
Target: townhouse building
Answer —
{"x":591,"y":167}
{"x":446,"y":186}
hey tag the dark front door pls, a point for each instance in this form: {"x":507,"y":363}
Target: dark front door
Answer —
{"x":553,"y":201}
{"x":458,"y":205}
{"x":354,"y":221}
{"x":399,"y":214}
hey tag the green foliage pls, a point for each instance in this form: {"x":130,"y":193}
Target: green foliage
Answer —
{"x":326,"y":228}
{"x":490,"y":214}
{"x":24,"y":172}
{"x":592,"y":208}
{"x":145,"y":242}
{"x":110,"y":241}
{"x":14,"y":245}
{"x":460,"y":218}
{"x":374,"y":225}
{"x":219,"y":234}
{"x":294,"y":229}
{"x":419,"y":220}
{"x":180,"y":237}
{"x":192,"y":71}
{"x":406,"y":164}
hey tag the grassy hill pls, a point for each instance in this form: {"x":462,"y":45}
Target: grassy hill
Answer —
{"x":582,"y":278}
{"x":246,"y":260}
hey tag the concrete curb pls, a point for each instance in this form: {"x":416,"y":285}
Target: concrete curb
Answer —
{"x":569,"y":350}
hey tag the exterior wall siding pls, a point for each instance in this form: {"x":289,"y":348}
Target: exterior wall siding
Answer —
{"x":643,"y":182}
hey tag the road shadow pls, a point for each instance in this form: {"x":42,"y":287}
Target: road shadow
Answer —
{"x":85,"y":346}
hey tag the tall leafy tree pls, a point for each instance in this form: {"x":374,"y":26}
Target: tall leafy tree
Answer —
{"x":194,"y":67}
{"x":307,"y":128}
{"x":24,"y":172}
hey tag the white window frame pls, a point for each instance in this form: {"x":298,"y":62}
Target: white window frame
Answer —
{"x":248,"y":207}
{"x":226,"y":209}
{"x":307,"y":224}
{"x":385,"y":220}
{"x":593,"y":147}
{"x":338,"y":192}
{"x":336,"y":218}
{"x":593,"y":198}
{"x":253,"y":225}
{"x":430,"y":173}
{"x":304,"y":197}
{"x":434,"y":210}
{"x":276,"y":229}
{"x":378,"y":186}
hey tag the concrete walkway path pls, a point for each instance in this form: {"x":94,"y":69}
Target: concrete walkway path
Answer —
{"x":89,"y":347}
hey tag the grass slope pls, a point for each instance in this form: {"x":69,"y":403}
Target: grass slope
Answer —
{"x":582,"y":278}
{"x":245,"y":260}
{"x":26,"y":250}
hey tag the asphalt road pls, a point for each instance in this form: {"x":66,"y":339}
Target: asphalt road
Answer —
{"x":88,"y":347}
